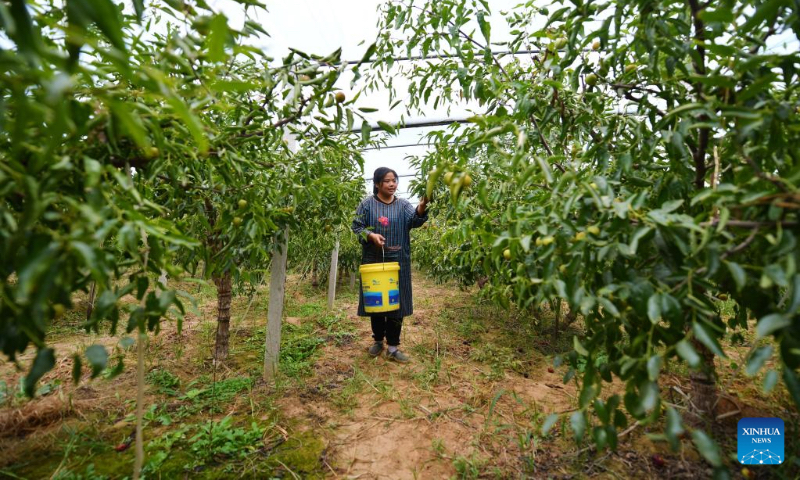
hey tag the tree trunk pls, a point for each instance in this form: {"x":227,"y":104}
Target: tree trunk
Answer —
{"x":314,"y":275}
{"x":90,"y":305}
{"x":352,"y":280}
{"x":223,"y":284}
{"x":557,"y":309}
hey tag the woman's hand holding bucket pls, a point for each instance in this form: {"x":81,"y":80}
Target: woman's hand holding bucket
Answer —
{"x":377,"y":239}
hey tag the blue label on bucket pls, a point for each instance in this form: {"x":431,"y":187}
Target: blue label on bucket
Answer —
{"x":373,"y":299}
{"x":394,"y":297}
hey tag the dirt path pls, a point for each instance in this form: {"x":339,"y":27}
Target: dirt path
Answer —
{"x":442,"y":414}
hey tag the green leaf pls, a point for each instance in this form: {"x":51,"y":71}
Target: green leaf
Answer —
{"x":688,"y":107}
{"x":98,"y":359}
{"x":738,"y":274}
{"x":44,"y":362}
{"x":126,"y":343}
{"x":138,"y":6}
{"x":654,"y":308}
{"x":757,"y":359}
{"x":608,"y":306}
{"x":707,"y":448}
{"x":794,"y":306}
{"x":218,"y":34}
{"x":770,"y":380}
{"x":648,"y":396}
{"x":22,"y":31}
{"x":77,"y":366}
{"x":771,"y":323}
{"x":640,"y":233}
{"x":674,"y":428}
{"x":548,"y":174}
{"x":722,"y":14}
{"x":367,"y":109}
{"x":386,"y":127}
{"x":549,"y":422}
{"x":131,"y":125}
{"x":654,"y":367}
{"x":486,"y":28}
{"x":191,"y":121}
{"x":706,"y":338}
{"x":222,"y":85}
{"x":579,"y":347}
{"x":578,"y":422}
{"x":102,"y":12}
{"x":367,"y":55}
{"x":365,"y":129}
{"x":687,"y":353}
{"x":764,"y":12}
{"x":525,"y":243}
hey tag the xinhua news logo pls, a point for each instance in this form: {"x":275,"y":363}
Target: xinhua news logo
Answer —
{"x":760,"y":441}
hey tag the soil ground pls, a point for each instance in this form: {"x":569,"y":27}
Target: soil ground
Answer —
{"x":471,"y":404}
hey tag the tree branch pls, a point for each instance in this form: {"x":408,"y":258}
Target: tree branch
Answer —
{"x":699,"y":153}
{"x":280,"y":123}
{"x":778,"y":182}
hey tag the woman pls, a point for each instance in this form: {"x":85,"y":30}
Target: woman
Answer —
{"x":383,"y":224}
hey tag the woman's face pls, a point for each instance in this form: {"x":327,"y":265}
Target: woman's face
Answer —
{"x":388,"y":185}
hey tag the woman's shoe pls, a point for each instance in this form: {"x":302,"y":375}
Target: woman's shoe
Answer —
{"x":376,"y":349}
{"x":398,"y":356}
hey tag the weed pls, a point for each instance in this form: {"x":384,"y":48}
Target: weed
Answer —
{"x":222,"y":439}
{"x":346,"y":399}
{"x":598,"y":362}
{"x":298,"y":346}
{"x":157,"y":413}
{"x":210,"y":396}
{"x":438,"y":447}
{"x":407,"y":407}
{"x":6,"y":394}
{"x":164,"y":381}
{"x":429,"y":376}
{"x":305,"y":310}
{"x":468,"y":468}
{"x":202,"y":444}
{"x":499,"y":358}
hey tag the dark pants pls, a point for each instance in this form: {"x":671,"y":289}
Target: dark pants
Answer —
{"x":387,"y":327}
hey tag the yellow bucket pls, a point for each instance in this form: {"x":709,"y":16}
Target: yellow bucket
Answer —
{"x":380,"y":285}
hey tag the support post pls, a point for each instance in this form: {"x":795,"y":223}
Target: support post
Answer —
{"x":277,"y":290}
{"x":332,"y":276}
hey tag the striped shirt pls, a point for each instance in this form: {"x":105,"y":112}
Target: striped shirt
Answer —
{"x":394,"y":221}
